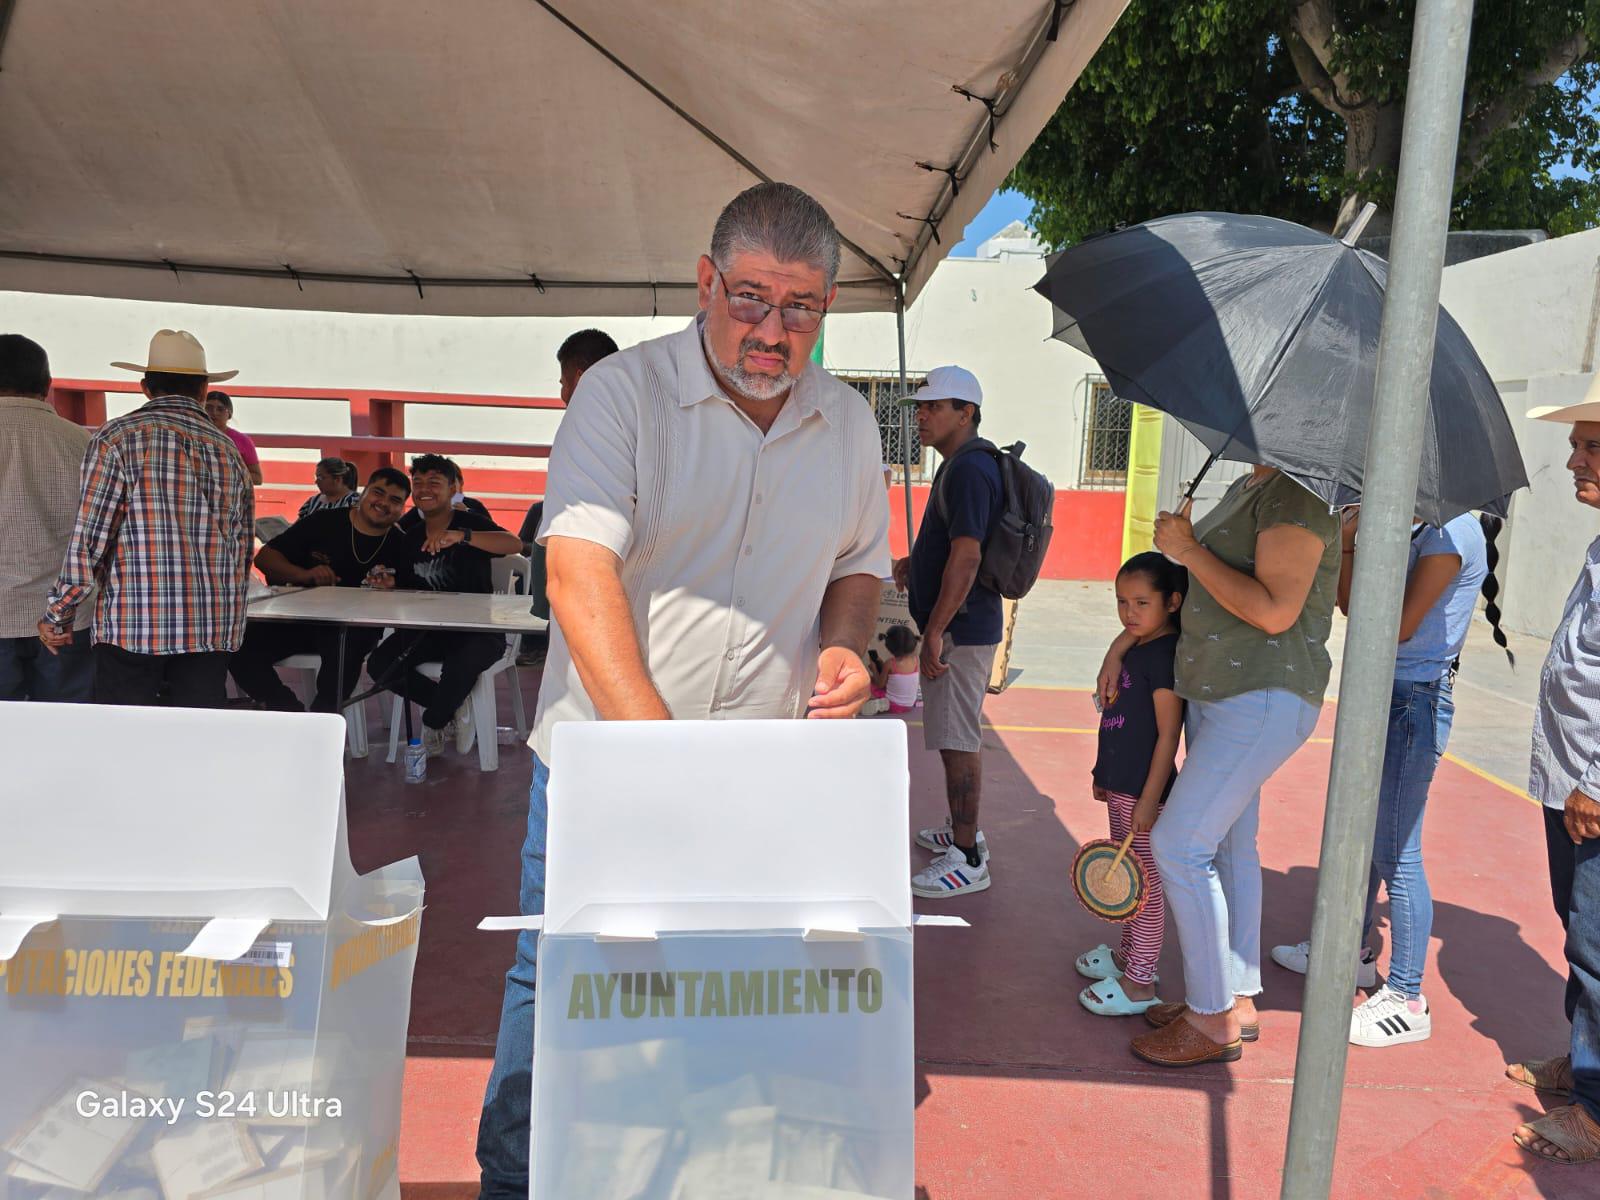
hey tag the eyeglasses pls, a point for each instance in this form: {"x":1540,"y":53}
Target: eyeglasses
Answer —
{"x":747,"y":310}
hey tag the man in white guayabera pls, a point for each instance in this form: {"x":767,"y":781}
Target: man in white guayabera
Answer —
{"x":716,"y":527}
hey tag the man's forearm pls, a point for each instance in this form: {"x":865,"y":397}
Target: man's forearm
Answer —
{"x":589,"y":603}
{"x":277,"y":568}
{"x":497,"y":542}
{"x":850,"y":612}
{"x":955,"y":585}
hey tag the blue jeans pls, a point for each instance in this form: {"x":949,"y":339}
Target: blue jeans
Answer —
{"x":1420,"y":715}
{"x":503,"y":1131}
{"x":1205,"y":841}
{"x":30,"y":672}
{"x":1575,"y":888}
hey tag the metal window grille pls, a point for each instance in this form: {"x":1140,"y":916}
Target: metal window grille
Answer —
{"x":1107,"y":430}
{"x":881,"y":389}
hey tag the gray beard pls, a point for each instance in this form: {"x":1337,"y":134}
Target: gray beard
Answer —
{"x":757,"y":389}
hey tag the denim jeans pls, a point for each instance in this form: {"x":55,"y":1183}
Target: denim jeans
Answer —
{"x":1420,"y":715}
{"x":30,"y":672}
{"x":1575,"y":888}
{"x":503,"y":1132}
{"x":1205,"y":839}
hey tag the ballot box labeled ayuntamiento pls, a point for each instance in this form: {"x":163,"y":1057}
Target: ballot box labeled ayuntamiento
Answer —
{"x":198,"y":995}
{"x":725,"y":964}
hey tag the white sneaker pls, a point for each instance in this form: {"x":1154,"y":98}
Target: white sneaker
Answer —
{"x":433,"y":741}
{"x":1297,"y":958}
{"x":938,"y":839}
{"x":1386,"y":1019}
{"x":950,"y":875}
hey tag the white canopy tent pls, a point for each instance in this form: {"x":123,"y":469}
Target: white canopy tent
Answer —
{"x":501,"y":157}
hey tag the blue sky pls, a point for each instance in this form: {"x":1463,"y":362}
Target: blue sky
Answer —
{"x":1002,"y":209}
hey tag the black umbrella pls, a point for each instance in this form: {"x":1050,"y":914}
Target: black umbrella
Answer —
{"x":1261,"y":337}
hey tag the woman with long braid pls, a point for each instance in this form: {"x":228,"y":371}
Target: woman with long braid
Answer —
{"x":1448,"y":566}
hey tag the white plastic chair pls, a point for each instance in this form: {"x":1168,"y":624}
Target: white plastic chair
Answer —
{"x":482,"y":710}
{"x":355,"y":715}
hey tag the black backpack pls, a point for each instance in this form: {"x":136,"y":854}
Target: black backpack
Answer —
{"x":1019,"y":535}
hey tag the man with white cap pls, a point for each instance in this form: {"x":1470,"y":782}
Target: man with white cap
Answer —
{"x":1565,"y":778}
{"x":959,"y":617}
{"x":165,"y":526}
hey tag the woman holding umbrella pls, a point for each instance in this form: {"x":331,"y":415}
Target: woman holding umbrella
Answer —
{"x":1253,"y":665}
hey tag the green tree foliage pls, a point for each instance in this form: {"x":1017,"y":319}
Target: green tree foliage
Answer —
{"x":1294,"y":107}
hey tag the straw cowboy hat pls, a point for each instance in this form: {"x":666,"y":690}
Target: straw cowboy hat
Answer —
{"x":176,"y":352}
{"x":1588,"y":410}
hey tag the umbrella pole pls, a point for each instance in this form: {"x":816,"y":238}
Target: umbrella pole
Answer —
{"x":1405,"y":357}
{"x":905,"y":412}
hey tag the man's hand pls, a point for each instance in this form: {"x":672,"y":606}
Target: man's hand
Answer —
{"x":1174,"y":534}
{"x":1145,"y":813}
{"x":902,"y":573}
{"x":933,"y":664}
{"x":54,"y":636}
{"x":843,"y":685}
{"x":1582,"y":817}
{"x":381,"y":578}
{"x":321,"y":575}
{"x":436,"y":542}
{"x":1109,"y":682}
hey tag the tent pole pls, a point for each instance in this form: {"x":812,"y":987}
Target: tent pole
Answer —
{"x":1394,"y":442}
{"x":905,"y":412}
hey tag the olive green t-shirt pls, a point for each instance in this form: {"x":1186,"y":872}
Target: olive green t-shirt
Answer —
{"x":1221,"y":656}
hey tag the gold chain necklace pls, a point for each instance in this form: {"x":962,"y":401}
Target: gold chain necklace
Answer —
{"x":356,"y":554}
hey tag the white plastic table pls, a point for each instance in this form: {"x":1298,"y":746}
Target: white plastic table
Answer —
{"x":400,"y":608}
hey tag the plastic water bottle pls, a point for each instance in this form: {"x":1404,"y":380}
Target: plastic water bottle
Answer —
{"x":416,"y":761}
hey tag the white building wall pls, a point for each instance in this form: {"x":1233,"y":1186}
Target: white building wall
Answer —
{"x":982,"y":314}
{"x":1532,"y":313}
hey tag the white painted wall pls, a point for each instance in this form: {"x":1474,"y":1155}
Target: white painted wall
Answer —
{"x":981,"y":313}
{"x":1532,"y":313}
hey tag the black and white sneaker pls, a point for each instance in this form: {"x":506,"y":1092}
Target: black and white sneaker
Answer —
{"x":1386,"y":1019}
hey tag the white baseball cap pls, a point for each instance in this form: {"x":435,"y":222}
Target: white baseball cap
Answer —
{"x":948,"y":383}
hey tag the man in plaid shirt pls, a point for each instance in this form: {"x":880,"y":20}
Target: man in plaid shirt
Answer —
{"x":165,"y":527}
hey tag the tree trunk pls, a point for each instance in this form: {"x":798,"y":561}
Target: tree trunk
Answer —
{"x":1371,"y":157}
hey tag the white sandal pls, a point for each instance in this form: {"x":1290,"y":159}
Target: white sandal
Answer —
{"x":1105,"y":998}
{"x":1098,"y":964}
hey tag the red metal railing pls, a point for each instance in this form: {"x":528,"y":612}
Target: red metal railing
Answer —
{"x":376,"y":439}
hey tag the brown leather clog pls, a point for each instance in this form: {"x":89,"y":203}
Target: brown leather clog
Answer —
{"x":1180,"y":1044}
{"x":1162,"y":1015}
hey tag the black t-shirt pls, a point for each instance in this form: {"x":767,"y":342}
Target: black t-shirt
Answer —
{"x":330,"y":538}
{"x":1128,"y":731}
{"x":459,"y":568}
{"x":970,"y":485}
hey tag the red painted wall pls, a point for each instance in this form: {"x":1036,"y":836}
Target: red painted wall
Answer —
{"x":1086,"y":544}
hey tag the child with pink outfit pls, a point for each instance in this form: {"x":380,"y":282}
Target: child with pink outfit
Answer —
{"x":1133,"y":773}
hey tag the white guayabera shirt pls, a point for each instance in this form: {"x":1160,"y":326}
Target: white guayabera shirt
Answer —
{"x":728,"y":537}
{"x":1566,"y":727}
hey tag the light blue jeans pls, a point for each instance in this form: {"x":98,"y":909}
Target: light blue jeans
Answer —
{"x":1420,"y":715}
{"x":1205,"y":840}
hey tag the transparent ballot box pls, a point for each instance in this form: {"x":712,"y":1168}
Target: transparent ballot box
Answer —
{"x":198,"y":995}
{"x":722,"y":1014}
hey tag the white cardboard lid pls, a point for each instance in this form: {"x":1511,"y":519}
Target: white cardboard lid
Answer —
{"x":170,"y":812}
{"x":731,"y":825}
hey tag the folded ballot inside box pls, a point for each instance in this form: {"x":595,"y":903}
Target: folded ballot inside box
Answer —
{"x":723,"y":1013}
{"x":198,"y":995}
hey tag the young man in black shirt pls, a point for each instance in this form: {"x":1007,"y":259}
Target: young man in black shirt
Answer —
{"x":449,"y":551}
{"x":339,"y":547}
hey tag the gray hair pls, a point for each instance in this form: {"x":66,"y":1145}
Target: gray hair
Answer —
{"x":781,"y":220}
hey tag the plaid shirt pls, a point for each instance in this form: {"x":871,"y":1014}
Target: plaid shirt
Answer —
{"x":165,"y":527}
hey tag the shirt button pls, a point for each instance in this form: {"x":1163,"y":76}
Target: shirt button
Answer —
{"x":758,"y":497}
{"x":747,"y":551}
{"x":732,"y":654}
{"x":739,"y":600}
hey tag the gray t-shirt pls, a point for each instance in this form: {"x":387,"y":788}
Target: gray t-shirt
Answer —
{"x":1219,"y":655}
